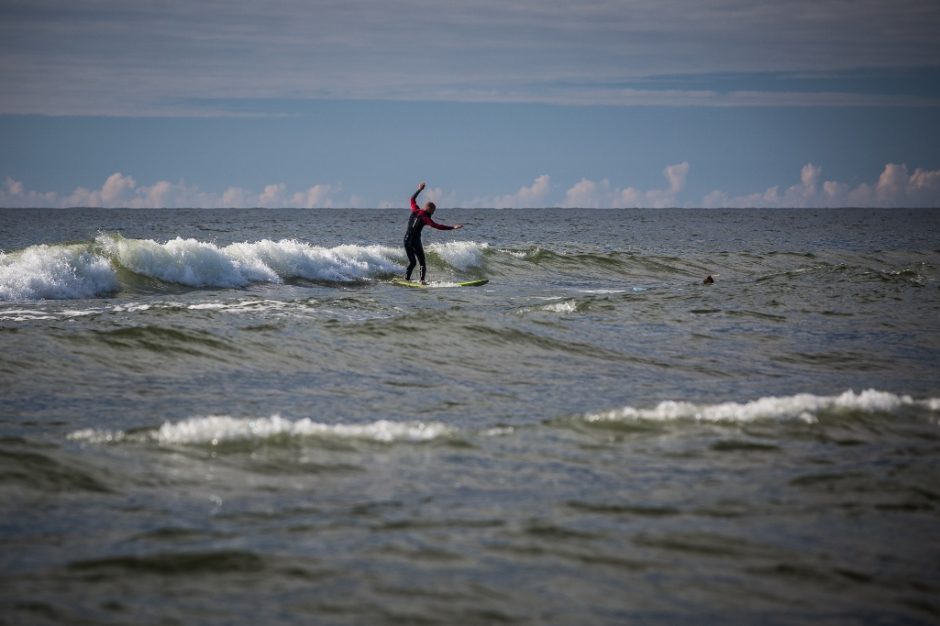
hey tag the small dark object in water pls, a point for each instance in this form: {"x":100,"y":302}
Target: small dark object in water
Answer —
{"x":708,"y":280}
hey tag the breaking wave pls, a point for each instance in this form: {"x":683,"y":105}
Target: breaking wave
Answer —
{"x":61,"y":272}
{"x":199,"y":264}
{"x":462,"y":255}
{"x":55,"y":272}
{"x":110,"y":262}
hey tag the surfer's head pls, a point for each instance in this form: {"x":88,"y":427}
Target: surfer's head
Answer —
{"x":429,"y":208}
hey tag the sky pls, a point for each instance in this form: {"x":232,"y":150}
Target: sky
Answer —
{"x":495,"y":103}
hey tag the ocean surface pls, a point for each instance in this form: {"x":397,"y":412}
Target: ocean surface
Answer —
{"x":232,"y":417}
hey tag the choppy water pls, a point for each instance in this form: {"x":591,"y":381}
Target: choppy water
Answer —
{"x":231,"y":417}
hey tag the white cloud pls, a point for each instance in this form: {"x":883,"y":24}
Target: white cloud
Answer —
{"x":117,"y":190}
{"x":14,"y":195}
{"x":589,"y":194}
{"x":896,"y":187}
{"x":316,"y":197}
{"x":121,"y":191}
{"x":273,"y":196}
{"x":439,"y":197}
{"x":676,"y":175}
{"x":235,"y":197}
{"x":924,"y":181}
{"x":535,"y":195}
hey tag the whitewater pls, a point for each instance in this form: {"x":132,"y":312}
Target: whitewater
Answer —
{"x":76,"y":271}
{"x":234,"y":417}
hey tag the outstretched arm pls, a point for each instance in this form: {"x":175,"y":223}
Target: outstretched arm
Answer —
{"x":414,"y":198}
{"x":427,"y":220}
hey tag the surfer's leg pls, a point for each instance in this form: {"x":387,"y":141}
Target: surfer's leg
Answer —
{"x":419,"y":252}
{"x":412,"y":259}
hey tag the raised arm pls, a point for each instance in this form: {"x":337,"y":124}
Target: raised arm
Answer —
{"x":414,"y":198}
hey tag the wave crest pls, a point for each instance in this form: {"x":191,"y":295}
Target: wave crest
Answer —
{"x":461,"y":255}
{"x":803,"y":407}
{"x":220,"y":429}
{"x":199,"y":264}
{"x":92,"y":269}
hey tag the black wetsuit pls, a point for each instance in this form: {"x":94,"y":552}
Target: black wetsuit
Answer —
{"x":413,"y":246}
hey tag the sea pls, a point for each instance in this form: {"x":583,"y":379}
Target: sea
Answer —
{"x":234,"y":417}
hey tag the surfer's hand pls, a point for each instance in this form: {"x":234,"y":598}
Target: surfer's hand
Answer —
{"x":420,"y":186}
{"x":458,"y":226}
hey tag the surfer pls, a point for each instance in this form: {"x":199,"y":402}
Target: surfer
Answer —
{"x":416,"y":223}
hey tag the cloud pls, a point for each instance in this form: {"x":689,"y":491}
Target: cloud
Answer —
{"x":676,"y":175}
{"x":115,"y":57}
{"x":121,"y":191}
{"x":320,"y":196}
{"x":14,"y":195}
{"x":439,"y":197}
{"x":316,"y":197}
{"x":273,"y":196}
{"x":535,"y":195}
{"x":235,"y":197}
{"x":589,"y":194}
{"x":896,"y":187}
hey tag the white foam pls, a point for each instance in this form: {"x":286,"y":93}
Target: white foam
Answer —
{"x":13,"y":315}
{"x":92,"y":435}
{"x":54,"y":272}
{"x":184,"y":261}
{"x":461,"y":255}
{"x":69,"y":313}
{"x":521,"y":254}
{"x":217,"y":429}
{"x":131,"y":307}
{"x":556,"y":306}
{"x":207,"y":306}
{"x":200,"y":264}
{"x":499,"y":431}
{"x":83,"y":271}
{"x":803,"y":407}
{"x":234,"y":307}
{"x":294,"y":259}
{"x":565,"y":306}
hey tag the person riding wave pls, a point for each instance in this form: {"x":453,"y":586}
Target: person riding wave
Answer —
{"x":416,"y":222}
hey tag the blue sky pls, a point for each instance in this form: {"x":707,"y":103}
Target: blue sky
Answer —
{"x":495,"y":103}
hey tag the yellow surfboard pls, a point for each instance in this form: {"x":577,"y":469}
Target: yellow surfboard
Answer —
{"x":401,"y":282}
